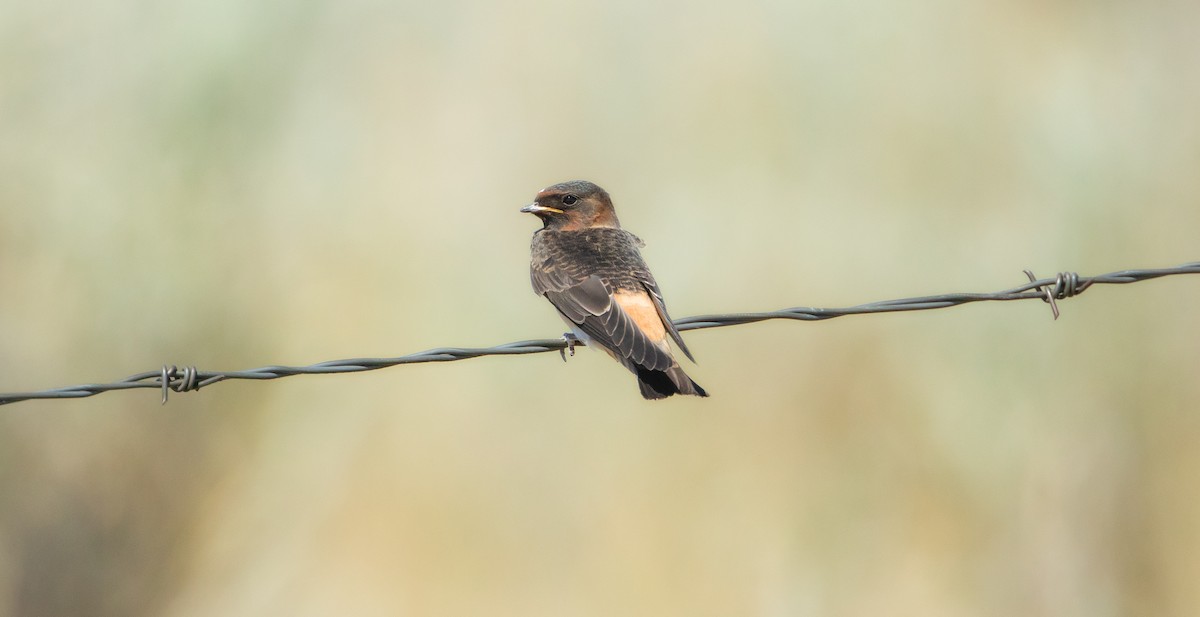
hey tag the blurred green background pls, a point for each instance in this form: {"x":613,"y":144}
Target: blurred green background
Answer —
{"x":233,"y":184}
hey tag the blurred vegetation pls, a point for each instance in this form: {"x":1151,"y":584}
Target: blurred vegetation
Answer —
{"x":231,"y":184}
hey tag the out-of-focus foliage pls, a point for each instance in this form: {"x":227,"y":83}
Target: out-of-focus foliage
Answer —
{"x":232,"y":184}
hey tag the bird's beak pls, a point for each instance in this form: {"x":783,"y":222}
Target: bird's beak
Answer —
{"x":536,"y":209}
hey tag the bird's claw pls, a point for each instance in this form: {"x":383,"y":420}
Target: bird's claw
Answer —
{"x":572,"y":341}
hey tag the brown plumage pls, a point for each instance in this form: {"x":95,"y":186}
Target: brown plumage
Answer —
{"x":592,"y":271}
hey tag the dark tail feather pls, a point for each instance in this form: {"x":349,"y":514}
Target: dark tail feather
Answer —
{"x":661,"y":384}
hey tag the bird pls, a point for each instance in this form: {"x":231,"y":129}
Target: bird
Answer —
{"x":593,"y":273}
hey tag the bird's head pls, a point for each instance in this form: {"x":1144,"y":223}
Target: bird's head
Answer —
{"x":573,"y":205}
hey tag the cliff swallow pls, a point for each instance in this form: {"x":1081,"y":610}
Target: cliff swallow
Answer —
{"x":592,"y":271}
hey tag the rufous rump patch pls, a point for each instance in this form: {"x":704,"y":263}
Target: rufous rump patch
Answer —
{"x":641,"y":310}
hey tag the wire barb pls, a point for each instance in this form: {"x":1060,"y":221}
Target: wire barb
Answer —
{"x":1064,"y":285}
{"x":1049,"y":296}
{"x":171,"y":379}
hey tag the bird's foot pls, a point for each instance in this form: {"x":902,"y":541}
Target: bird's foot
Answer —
{"x":572,"y":341}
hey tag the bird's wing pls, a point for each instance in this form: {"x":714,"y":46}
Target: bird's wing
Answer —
{"x":656,"y":295}
{"x":619,"y":321}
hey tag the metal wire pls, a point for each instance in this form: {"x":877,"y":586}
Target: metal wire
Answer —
{"x":1050,"y":290}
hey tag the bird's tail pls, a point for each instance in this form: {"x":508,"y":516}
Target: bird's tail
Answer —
{"x":661,"y":384}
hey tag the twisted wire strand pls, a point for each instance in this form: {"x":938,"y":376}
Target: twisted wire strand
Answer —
{"x":1064,"y":285}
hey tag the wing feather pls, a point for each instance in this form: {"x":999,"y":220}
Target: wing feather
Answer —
{"x":608,"y":325}
{"x":656,"y":296}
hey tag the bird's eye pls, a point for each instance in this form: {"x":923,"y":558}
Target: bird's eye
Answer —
{"x":569,"y":200}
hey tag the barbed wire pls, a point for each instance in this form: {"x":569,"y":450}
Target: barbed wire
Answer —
{"x":1063,"y":285}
